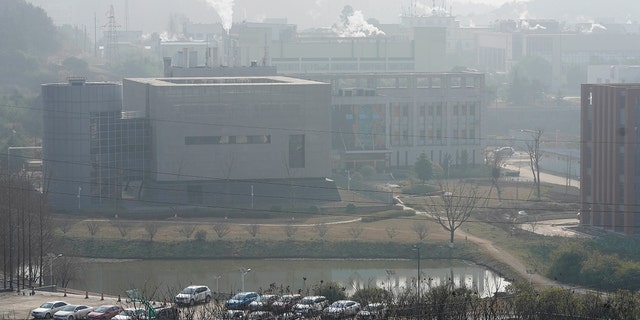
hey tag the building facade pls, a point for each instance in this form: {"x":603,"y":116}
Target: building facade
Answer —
{"x":388,"y":119}
{"x":223,"y":141}
{"x":610,"y":172}
{"x":89,"y":150}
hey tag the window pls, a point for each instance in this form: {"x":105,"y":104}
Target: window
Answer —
{"x":296,"y":151}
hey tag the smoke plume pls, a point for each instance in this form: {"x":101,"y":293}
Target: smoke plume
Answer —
{"x":356,"y":26}
{"x":224,"y":8}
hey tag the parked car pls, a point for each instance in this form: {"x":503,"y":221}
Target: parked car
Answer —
{"x":372,"y":311}
{"x":231,"y":315}
{"x":261,"y":315}
{"x":285,"y":303}
{"x":47,"y":309}
{"x":311,"y":305}
{"x":341,"y":309}
{"x":105,"y":312}
{"x":193,"y":294}
{"x":241,"y":300}
{"x":263,"y":303}
{"x":72,"y":312}
{"x":131,"y":314}
{"x":166,"y":313}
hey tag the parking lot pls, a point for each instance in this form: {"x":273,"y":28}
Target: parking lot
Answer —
{"x":18,"y":306}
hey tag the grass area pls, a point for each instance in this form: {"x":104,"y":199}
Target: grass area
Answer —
{"x":327,"y":233}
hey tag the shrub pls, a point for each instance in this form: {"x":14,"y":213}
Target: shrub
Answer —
{"x":201,"y":235}
{"x":351,"y":208}
{"x":313,"y":209}
{"x":275,"y":208}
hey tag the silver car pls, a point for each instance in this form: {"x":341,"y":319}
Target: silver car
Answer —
{"x":47,"y":309}
{"x":72,"y":312}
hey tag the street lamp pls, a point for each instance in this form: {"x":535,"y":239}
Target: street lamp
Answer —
{"x":53,"y":257}
{"x":416,"y":248}
{"x":244,"y":271}
{"x":217,"y":278}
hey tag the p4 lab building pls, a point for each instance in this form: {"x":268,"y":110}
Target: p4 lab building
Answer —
{"x":215,"y":141}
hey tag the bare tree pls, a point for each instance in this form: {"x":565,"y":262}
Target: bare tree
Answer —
{"x":123,"y":227}
{"x":420,"y":229}
{"x":322,"y":229}
{"x":355,"y":231}
{"x":66,"y":270}
{"x":152,"y":229}
{"x":290,"y":230}
{"x":93,"y":227}
{"x":495,"y":160}
{"x":391,"y":232}
{"x":187,"y":230}
{"x":64,"y":226}
{"x":221,"y":229}
{"x":535,"y":156}
{"x":253,"y":229}
{"x":453,"y":208}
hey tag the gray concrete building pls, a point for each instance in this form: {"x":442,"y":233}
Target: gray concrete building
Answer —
{"x":236,"y":140}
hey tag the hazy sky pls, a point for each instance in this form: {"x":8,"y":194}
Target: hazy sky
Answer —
{"x":153,"y":15}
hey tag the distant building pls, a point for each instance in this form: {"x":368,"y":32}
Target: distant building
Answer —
{"x":388,"y":119}
{"x":231,"y":142}
{"x":610,"y":170}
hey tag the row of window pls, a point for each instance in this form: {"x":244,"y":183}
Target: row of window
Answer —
{"x":204,"y":140}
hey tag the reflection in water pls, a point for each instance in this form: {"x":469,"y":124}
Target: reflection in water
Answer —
{"x":164,"y":278}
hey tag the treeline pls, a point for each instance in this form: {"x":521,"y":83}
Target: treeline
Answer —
{"x":26,"y":232}
{"x":588,"y":265}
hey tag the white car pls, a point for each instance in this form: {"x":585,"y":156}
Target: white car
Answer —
{"x":341,"y":309}
{"x":193,"y":294}
{"x":311,"y":305}
{"x":72,"y":312}
{"x":47,"y":309}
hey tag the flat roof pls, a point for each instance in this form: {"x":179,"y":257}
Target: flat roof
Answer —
{"x":222,"y":81}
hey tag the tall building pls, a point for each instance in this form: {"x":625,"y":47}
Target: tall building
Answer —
{"x":610,"y":170}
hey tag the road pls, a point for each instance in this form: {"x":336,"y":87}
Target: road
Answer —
{"x":520,"y":162}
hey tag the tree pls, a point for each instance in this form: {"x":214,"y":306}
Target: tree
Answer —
{"x":355,"y":231}
{"x":93,"y":227}
{"x":420,"y":229}
{"x":391,"y":232}
{"x":535,"y":156}
{"x":453,"y":208}
{"x":253,"y":229}
{"x":423,"y":168}
{"x":123,"y":227}
{"x":187,"y":230}
{"x":322,"y":229}
{"x":290,"y":230}
{"x":221,"y":229}
{"x":495,"y":161}
{"x":152,"y":229}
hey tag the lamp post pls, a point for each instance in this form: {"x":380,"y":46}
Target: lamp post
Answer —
{"x":416,"y":248}
{"x":217,"y":278}
{"x":244,"y":271}
{"x":53,"y":257}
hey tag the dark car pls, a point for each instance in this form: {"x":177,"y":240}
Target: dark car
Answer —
{"x":241,"y":300}
{"x":105,"y":312}
{"x":285,"y":303}
{"x":263,"y":303}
